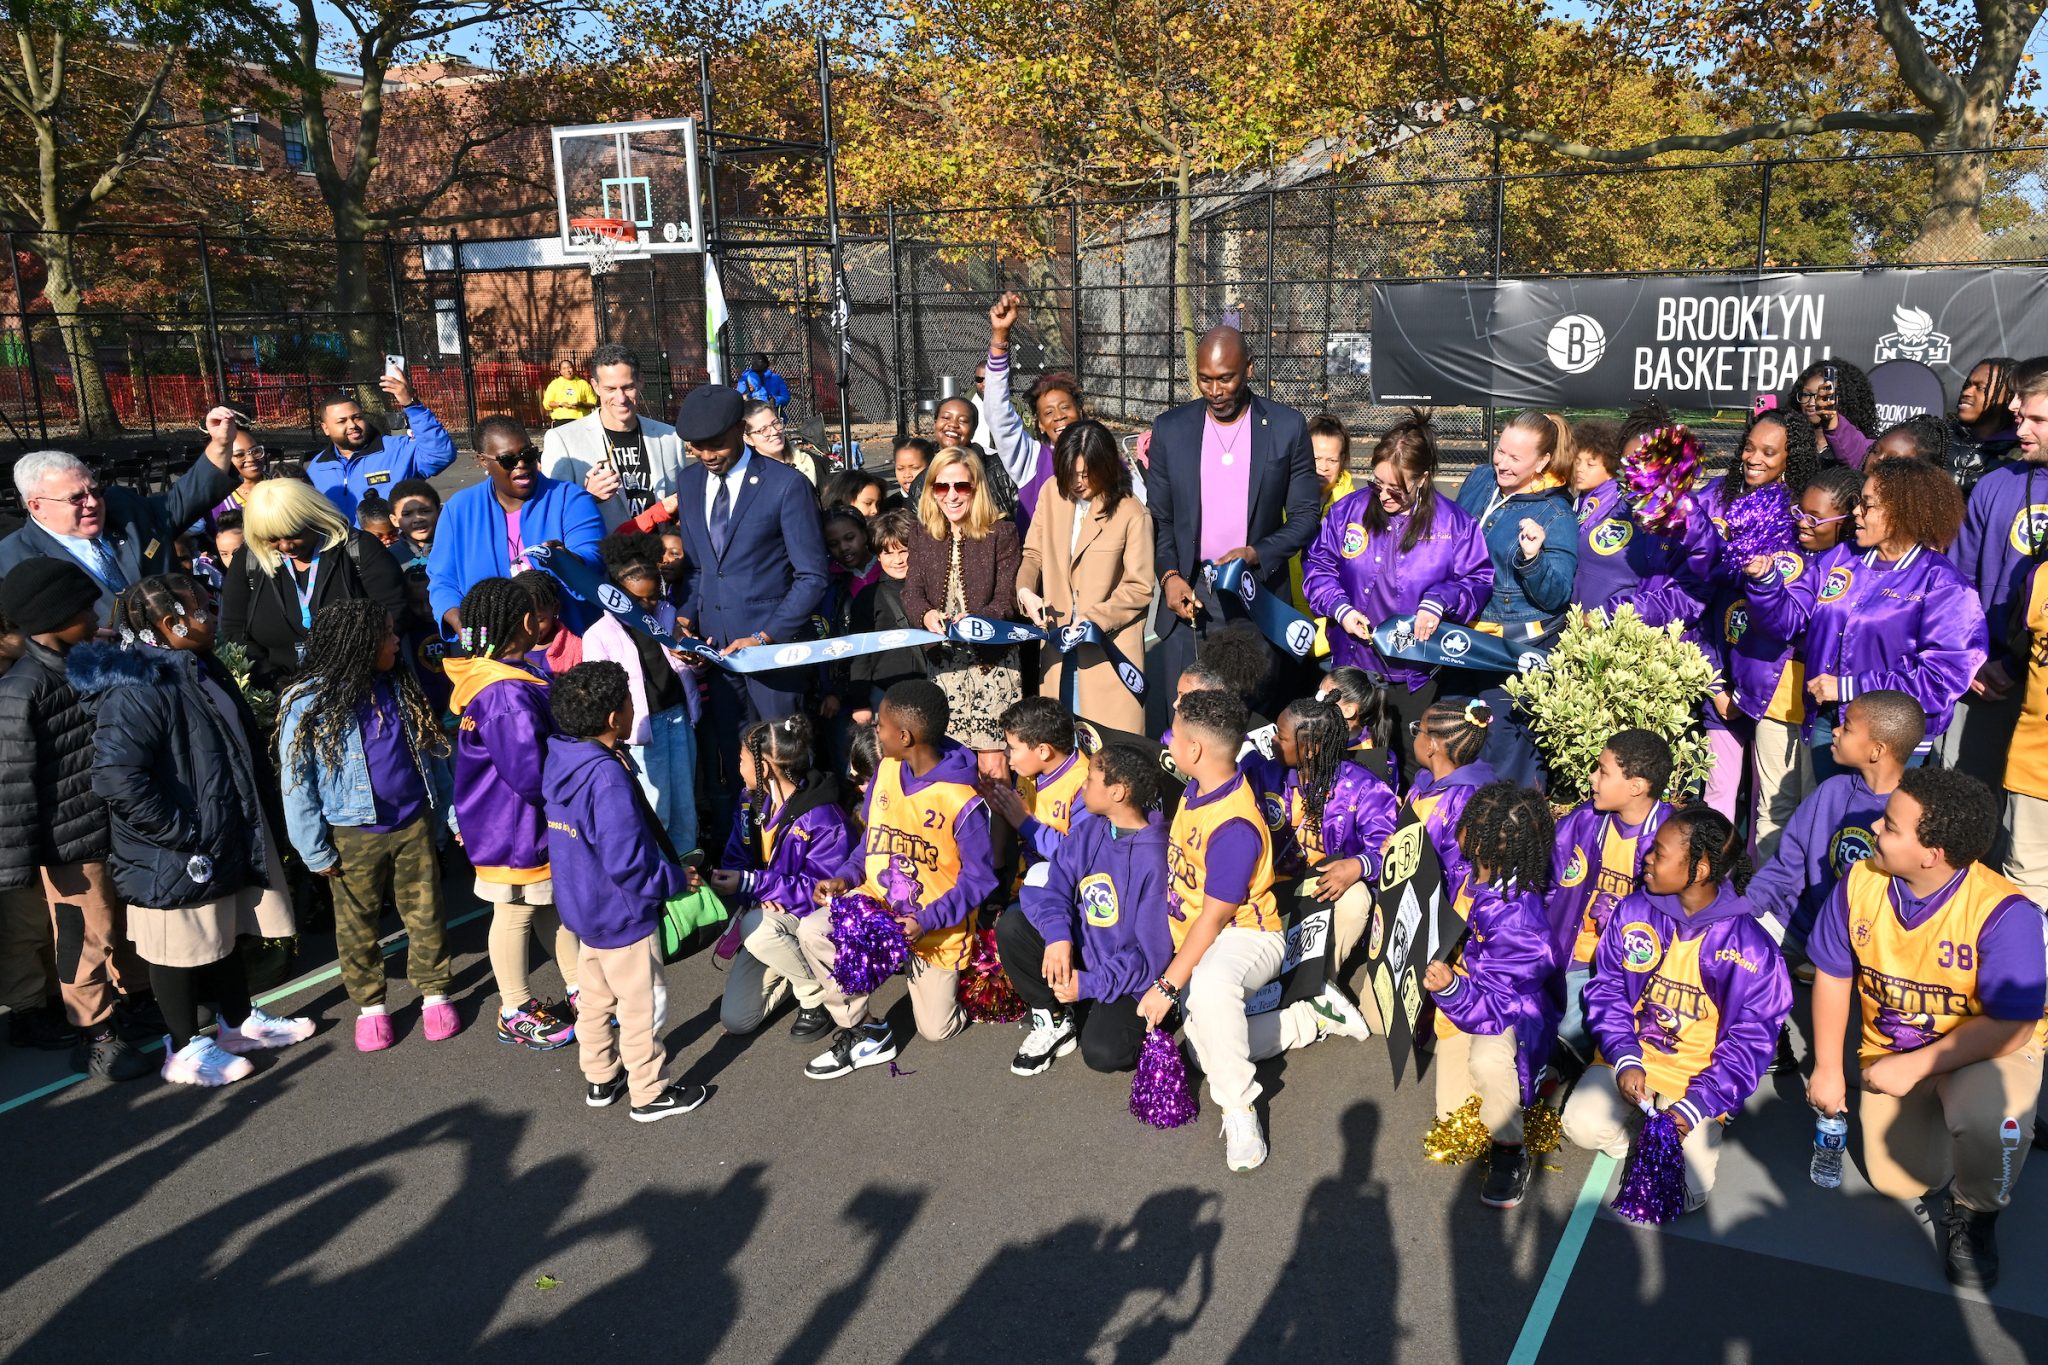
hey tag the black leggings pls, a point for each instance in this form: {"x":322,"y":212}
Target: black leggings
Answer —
{"x":180,"y":989}
{"x":1111,"y":1031}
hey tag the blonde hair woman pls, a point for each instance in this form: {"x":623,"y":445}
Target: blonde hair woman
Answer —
{"x":965,"y":564}
{"x":298,"y":555}
{"x":1523,"y":504}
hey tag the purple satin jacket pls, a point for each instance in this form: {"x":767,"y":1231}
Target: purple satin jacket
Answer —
{"x":1915,"y":625}
{"x":1440,"y":803}
{"x":815,"y":845}
{"x":1508,"y":977}
{"x":1617,"y":557}
{"x":1347,"y":568}
{"x":1359,"y":814}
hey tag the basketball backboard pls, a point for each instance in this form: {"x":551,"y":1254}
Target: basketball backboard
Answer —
{"x":644,"y":173}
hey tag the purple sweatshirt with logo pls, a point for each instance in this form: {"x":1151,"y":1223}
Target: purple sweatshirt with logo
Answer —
{"x":1914,"y":625}
{"x":810,"y":845}
{"x":1359,"y":814}
{"x":1834,"y":829}
{"x":1507,"y":977}
{"x":1617,"y":557}
{"x":1582,"y":888}
{"x":1105,"y":890}
{"x":1746,"y":990}
{"x":1346,"y":568}
{"x":1439,"y":802}
{"x":2005,"y":533}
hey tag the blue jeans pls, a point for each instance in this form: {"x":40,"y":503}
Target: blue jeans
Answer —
{"x":1571,"y":1028}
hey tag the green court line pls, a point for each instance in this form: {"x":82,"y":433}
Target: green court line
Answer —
{"x":1550,"y":1293}
{"x":324,"y":974}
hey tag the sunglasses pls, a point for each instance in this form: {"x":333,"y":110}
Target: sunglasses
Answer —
{"x":1809,"y":520}
{"x":1414,"y":729}
{"x":512,"y":459}
{"x":1398,"y":490}
{"x":953,"y":486}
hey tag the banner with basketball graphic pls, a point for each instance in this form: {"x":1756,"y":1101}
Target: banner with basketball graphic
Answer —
{"x":1413,"y":923}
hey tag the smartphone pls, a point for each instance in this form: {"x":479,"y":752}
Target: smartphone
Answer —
{"x":694,"y":859}
{"x":1764,"y":402}
{"x":395,"y":364}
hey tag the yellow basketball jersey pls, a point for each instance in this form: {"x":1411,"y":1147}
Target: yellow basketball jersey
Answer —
{"x":1614,"y":877}
{"x":1676,"y":1020}
{"x":1055,"y":799}
{"x":1187,"y":863}
{"x":913,"y":856}
{"x":2026,"y":766}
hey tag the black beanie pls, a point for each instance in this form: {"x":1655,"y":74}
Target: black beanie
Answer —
{"x":39,"y":595}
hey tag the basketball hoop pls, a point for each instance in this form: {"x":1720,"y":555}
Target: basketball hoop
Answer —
{"x":602,"y":240}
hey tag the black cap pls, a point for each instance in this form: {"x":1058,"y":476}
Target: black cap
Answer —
{"x":41,"y":594}
{"x":709,"y":412}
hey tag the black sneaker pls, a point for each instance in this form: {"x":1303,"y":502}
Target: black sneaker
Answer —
{"x":111,"y":1059}
{"x":1053,"y":1034}
{"x":1972,"y":1249}
{"x":138,"y":1019}
{"x":42,"y":1028}
{"x":811,"y":1024}
{"x":853,"y":1048}
{"x":1507,"y":1176}
{"x":603,"y":1094}
{"x":676,"y":1099}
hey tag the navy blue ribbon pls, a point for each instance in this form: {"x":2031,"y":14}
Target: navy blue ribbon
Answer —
{"x":1279,"y":622}
{"x":1523,"y":647}
{"x":985,"y":630}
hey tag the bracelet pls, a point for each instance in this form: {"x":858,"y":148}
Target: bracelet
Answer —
{"x":1167,"y":989}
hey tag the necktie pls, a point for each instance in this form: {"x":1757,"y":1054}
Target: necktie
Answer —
{"x":110,"y":568}
{"x":721,"y":518}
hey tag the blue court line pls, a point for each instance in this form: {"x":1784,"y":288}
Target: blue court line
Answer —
{"x":1536,"y":1326}
{"x":325,"y":974}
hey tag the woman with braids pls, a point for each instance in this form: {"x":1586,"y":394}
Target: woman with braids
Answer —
{"x":1687,"y":997}
{"x":1369,"y":719}
{"x":193,"y":854}
{"x":1498,"y":1006}
{"x":663,"y":740}
{"x":1330,"y":818}
{"x":1397,"y":547}
{"x":1890,"y":611}
{"x":503,"y":724}
{"x":790,"y":832}
{"x":1447,"y":743}
{"x":358,"y":749}
{"x":1835,"y":399}
{"x":1981,"y":436}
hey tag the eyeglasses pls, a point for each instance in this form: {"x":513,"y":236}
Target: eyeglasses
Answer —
{"x":1808,"y":397}
{"x":91,"y":494}
{"x":512,"y":459}
{"x":1809,"y":520}
{"x":764,"y":430}
{"x":953,"y":486}
{"x":253,"y":452}
{"x":1414,"y":729}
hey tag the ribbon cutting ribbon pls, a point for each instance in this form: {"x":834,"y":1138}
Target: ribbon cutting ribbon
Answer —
{"x":984,"y":630}
{"x":1287,"y":628}
{"x":1458,"y":646}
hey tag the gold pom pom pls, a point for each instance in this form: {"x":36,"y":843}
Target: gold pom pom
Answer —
{"x":1457,"y":1138}
{"x":1542,"y":1130}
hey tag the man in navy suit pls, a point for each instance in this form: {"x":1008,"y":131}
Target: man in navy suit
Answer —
{"x":753,"y":570}
{"x":1232,"y":477}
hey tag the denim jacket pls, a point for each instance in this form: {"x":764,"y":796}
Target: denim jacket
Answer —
{"x":317,"y":798}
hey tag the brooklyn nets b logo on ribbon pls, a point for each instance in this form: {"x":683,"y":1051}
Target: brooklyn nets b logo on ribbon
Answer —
{"x":1287,"y":628}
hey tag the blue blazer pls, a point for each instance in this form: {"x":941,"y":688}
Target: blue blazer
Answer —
{"x":772,"y":574}
{"x":1286,"y":503}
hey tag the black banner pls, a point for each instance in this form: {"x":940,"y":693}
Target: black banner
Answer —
{"x":1414,"y":922}
{"x":1705,"y":342}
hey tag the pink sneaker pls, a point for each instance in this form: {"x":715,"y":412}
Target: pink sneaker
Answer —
{"x":441,"y":1021}
{"x":373,"y":1032}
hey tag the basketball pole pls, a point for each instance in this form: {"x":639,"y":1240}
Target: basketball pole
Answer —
{"x":842,"y":305}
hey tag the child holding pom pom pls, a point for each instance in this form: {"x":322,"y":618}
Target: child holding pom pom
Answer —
{"x":1687,"y":996}
{"x":925,"y":855}
{"x":1498,"y":1008}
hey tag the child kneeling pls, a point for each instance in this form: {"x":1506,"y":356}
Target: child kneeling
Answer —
{"x":1687,"y":995}
{"x":613,"y":871}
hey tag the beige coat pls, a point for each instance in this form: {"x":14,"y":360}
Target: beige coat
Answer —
{"x":1107,"y":579}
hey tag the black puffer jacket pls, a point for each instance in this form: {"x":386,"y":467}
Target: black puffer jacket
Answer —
{"x":49,"y":814}
{"x":183,"y":799}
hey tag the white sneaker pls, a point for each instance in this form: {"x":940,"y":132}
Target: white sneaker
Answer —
{"x":203,"y":1062}
{"x":1336,"y":1014}
{"x":261,"y":1031}
{"x":1244,"y":1146}
{"x":1052,"y":1035}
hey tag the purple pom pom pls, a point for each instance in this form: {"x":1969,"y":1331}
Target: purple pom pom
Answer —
{"x":868,"y":944}
{"x":1657,"y":476}
{"x":1159,"y":1092}
{"x":1760,"y":523}
{"x":1653,"y":1183}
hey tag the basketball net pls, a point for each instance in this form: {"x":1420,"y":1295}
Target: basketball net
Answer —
{"x":601,"y":240}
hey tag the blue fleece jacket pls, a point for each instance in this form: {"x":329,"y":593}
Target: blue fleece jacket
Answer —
{"x":1524,"y":590}
{"x":611,"y":875}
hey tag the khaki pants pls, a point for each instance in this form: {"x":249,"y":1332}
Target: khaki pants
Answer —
{"x":934,"y":999}
{"x":95,"y":960}
{"x":1483,"y":1065}
{"x":1974,"y":1124}
{"x":1347,"y":925}
{"x":511,"y":923}
{"x":770,"y":958}
{"x":625,"y":983}
{"x":1784,"y":778}
{"x":1236,"y":965}
{"x":1597,"y":1118}
{"x":28,"y":969}
{"x":2026,"y":845}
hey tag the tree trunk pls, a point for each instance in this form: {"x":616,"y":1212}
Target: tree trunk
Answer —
{"x":96,"y":415}
{"x":360,"y":323}
{"x":1184,"y":266}
{"x":1952,"y":230}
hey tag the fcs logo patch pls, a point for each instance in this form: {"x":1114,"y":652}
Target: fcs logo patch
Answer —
{"x":1735,"y":624}
{"x":1792,"y":565}
{"x":2029,"y":528}
{"x":1837,"y":586}
{"x":1098,"y":900}
{"x":1575,"y":871}
{"x":1355,"y":540}
{"x":1640,"y":950}
{"x":1850,"y":847}
{"x":1611,"y":537}
{"x":1275,"y":812}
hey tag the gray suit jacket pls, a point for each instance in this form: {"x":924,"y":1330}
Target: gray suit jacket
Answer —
{"x":571,"y":451}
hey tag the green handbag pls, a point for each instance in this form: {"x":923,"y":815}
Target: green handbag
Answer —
{"x":683,"y":917}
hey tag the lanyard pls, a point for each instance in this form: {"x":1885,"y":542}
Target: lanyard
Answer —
{"x":305,"y":592}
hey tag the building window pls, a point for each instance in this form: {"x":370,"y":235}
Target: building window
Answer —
{"x":155,"y":145}
{"x":295,"y":154}
{"x":232,"y":137}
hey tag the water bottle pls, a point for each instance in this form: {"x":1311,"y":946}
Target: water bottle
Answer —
{"x":1830,"y":1138}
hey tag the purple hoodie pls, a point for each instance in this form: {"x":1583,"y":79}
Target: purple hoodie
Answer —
{"x":1507,"y":977}
{"x":499,"y":751}
{"x":2005,"y":533}
{"x":1583,"y":889}
{"x":1693,"y":1001}
{"x":1439,"y":803}
{"x":1914,"y":625}
{"x":1617,"y":557}
{"x":1106,"y":888}
{"x":1359,"y":814}
{"x":1346,"y":568}
{"x":612,"y":875}
{"x":802,"y":842}
{"x":1833,"y":830}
